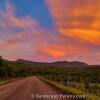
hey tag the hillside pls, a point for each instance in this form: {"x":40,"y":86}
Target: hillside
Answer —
{"x":53,"y":64}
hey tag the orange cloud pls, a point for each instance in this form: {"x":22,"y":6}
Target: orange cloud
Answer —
{"x":59,"y":49}
{"x":77,"y":18}
{"x":55,"y":52}
{"x":84,"y":35}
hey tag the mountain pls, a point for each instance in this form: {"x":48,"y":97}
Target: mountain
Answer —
{"x":53,"y":64}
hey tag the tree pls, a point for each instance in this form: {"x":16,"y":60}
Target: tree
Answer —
{"x":1,"y":61}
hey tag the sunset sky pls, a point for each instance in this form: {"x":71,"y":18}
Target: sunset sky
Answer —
{"x":50,"y":30}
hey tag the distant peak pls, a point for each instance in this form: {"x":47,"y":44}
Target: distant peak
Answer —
{"x":21,"y":60}
{"x":64,"y":62}
{"x":78,"y":62}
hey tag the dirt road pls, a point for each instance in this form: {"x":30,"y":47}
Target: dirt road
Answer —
{"x":30,"y":88}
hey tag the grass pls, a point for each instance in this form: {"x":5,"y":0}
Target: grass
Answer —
{"x":89,"y":96}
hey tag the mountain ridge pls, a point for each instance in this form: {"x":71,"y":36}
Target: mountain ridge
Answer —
{"x":56,"y":63}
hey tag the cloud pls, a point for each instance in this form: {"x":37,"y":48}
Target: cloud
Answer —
{"x":77,"y":17}
{"x":15,"y":29}
{"x":78,"y":21}
{"x":59,"y":48}
{"x":10,"y":23}
{"x":76,"y":36}
{"x":84,"y":35}
{"x":17,"y":33}
{"x":52,"y":50}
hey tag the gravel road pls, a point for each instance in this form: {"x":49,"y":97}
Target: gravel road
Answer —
{"x":30,"y":88}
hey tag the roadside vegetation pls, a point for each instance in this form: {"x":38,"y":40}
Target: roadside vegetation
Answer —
{"x":10,"y":72}
{"x":85,"y":81}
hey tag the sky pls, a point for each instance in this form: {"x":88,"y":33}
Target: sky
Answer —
{"x":50,"y":30}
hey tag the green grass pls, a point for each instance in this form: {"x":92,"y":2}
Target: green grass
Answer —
{"x":89,"y":96}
